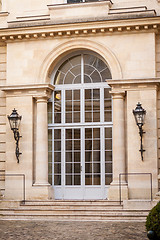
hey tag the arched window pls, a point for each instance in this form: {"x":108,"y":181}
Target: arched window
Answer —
{"x":80,"y":128}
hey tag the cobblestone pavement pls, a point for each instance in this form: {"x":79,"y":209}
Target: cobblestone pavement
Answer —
{"x":46,"y":230}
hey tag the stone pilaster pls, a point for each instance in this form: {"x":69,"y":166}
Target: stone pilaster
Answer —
{"x":118,"y":146}
{"x":41,"y":165}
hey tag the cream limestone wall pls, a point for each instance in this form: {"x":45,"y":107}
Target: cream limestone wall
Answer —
{"x":132,"y":53}
{"x":158,"y":97}
{"x":139,"y":186}
{"x":30,"y":55}
{"x":39,"y":7}
{"x":24,"y":105}
{"x":2,"y":115}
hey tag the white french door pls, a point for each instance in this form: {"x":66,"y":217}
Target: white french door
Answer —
{"x":80,"y":129}
{"x":80,"y":142}
{"x":79,"y":162}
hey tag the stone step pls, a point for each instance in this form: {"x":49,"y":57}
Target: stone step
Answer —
{"x":70,"y":210}
{"x":72,"y":207}
{"x":76,"y":202}
{"x":74,"y":217}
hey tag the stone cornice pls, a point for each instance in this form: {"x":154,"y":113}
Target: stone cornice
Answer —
{"x":81,"y":29}
{"x":134,"y":81}
{"x":35,"y":90}
{"x":134,"y":84}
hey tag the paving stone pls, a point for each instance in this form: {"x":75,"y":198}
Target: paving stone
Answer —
{"x":46,"y":230}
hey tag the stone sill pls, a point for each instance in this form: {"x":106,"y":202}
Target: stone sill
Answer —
{"x":4,"y":14}
{"x":79,"y":10}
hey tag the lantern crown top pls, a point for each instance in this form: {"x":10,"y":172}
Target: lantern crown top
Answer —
{"x":14,"y":120}
{"x":139,"y":114}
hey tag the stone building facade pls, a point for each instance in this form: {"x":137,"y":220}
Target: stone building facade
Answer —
{"x":75,"y":70}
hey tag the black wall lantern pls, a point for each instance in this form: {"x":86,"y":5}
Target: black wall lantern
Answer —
{"x":14,"y":121}
{"x":139,"y":114}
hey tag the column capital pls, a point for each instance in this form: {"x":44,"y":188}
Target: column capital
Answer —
{"x":117,"y":94}
{"x":43,"y":99}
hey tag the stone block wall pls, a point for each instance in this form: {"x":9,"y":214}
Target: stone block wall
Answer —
{"x":158,"y":96}
{"x":3,"y":50}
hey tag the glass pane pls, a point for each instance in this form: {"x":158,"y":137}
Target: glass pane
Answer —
{"x":108,"y":167}
{"x":88,"y":144}
{"x":77,"y":180}
{"x":96,"y":116}
{"x":88,"y":116}
{"x":108,"y":155}
{"x":88,"y":106}
{"x":68,"y":94}
{"x":68,"y":106}
{"x":69,"y":78}
{"x":57,"y":145}
{"x":76,"y":106}
{"x":57,"y":107}
{"x":107,"y":105}
{"x":96,"y":106}
{"x":96,"y":133}
{"x":68,"y":145}
{"x":88,"y":94}
{"x":96,"y":168}
{"x":107,"y":95}
{"x":88,"y":69}
{"x":59,"y":78}
{"x":96,"y":156}
{"x":108,"y":179}
{"x":88,"y":168}
{"x":68,"y":133}
{"x":50,"y":134}
{"x":108,"y":116}
{"x":57,"y":179}
{"x":76,"y":117}
{"x":50,"y":157}
{"x":49,"y":145}
{"x":108,"y":132}
{"x":57,"y":168}
{"x":65,"y":66}
{"x":77,"y":145}
{"x":87,"y":79}
{"x":99,"y":65}
{"x":77,"y":79}
{"x":89,"y":59}
{"x":57,"y":157}
{"x":57,"y":134}
{"x":50,"y":168}
{"x":68,"y":179}
{"x":88,"y":133}
{"x":49,"y":112}
{"x":68,"y":167}
{"x":76,"y":70}
{"x":88,"y":156}
{"x":69,"y":156}
{"x":76,"y":94}
{"x":50,"y":178}
{"x":96,"y":145}
{"x":106,"y":74}
{"x":77,"y":156}
{"x":77,"y":168}
{"x":68,"y":117}
{"x":88,"y":179}
{"x":96,"y":94}
{"x":77,"y":134}
{"x":95,"y":77}
{"x":108,"y":144}
{"x":76,"y":60}
{"x":57,"y":117}
{"x":96,"y":179}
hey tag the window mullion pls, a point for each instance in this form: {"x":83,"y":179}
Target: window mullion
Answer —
{"x":82,"y":69}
